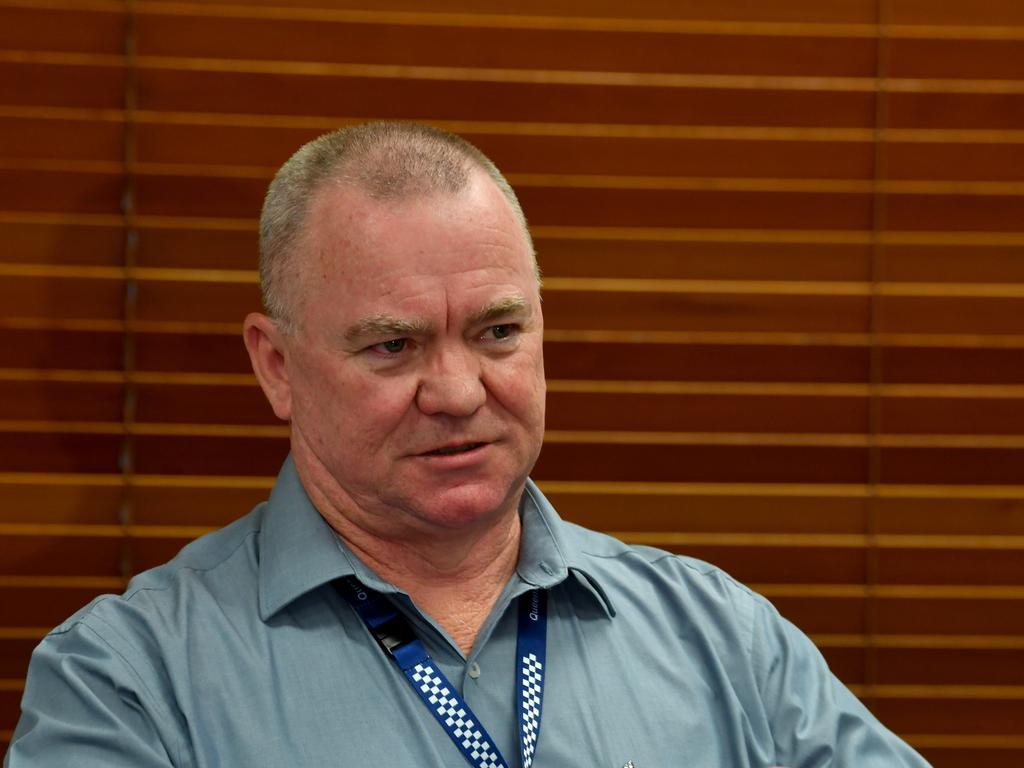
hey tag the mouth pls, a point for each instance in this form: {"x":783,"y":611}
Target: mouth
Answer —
{"x":453,"y":450}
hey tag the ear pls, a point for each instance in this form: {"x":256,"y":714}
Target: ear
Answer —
{"x":267,"y":352}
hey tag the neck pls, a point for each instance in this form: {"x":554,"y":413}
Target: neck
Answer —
{"x":454,"y":575}
{"x":456,"y":581}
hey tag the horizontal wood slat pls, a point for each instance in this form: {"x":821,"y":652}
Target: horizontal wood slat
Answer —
{"x":756,"y":558}
{"x":175,"y":90}
{"x":922,"y":716}
{"x":557,"y":49}
{"x":505,"y":13}
{"x":92,"y":87}
{"x":724,"y":407}
{"x":983,"y":12}
{"x":589,"y":456}
{"x":81,"y":30}
{"x":856,"y":18}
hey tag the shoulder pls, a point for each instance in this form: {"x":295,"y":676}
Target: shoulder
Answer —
{"x":218,"y":567}
{"x":607,"y":554}
{"x":123,"y":664}
{"x":688,"y":589}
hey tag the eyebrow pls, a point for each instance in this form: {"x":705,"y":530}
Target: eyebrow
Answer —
{"x":380,"y":326}
{"x":496,"y":310}
{"x":389,"y":326}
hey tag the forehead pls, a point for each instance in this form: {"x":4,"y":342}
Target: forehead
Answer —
{"x":355,"y":238}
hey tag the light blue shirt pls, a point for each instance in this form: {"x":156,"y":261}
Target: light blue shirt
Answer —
{"x":239,"y":652}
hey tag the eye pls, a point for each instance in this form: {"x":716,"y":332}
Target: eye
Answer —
{"x":390,"y":347}
{"x":501,"y":332}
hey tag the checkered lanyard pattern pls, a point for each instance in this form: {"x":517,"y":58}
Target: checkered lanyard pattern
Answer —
{"x":395,"y":636}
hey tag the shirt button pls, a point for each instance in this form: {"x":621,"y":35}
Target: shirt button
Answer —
{"x":474,"y":670}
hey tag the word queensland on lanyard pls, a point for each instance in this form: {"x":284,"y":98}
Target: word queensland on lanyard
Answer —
{"x":396,"y":637}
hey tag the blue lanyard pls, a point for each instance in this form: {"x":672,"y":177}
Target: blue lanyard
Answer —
{"x":395,"y":636}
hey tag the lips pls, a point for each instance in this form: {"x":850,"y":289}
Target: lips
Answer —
{"x":453,"y":450}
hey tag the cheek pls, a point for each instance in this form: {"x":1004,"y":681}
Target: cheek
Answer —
{"x":320,"y":396}
{"x":521,"y":390}
{"x":534,"y":375}
{"x":356,"y":412}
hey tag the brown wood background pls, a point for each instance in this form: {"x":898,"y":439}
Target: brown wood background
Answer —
{"x":784,"y":253}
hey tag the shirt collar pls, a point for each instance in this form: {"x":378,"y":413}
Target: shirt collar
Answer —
{"x":547,"y":555}
{"x":299,"y":551}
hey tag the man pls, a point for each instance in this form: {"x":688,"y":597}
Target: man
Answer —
{"x":408,"y":597}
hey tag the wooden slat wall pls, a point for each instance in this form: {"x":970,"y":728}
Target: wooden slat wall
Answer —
{"x":784,"y":255}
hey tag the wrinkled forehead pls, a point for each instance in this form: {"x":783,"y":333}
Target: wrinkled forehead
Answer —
{"x":350,"y":231}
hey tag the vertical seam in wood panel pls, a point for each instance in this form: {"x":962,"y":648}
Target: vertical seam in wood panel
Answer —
{"x":875,"y":372}
{"x":126,"y":515}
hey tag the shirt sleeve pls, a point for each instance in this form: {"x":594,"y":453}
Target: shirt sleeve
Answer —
{"x":815,"y":720}
{"x":85,"y":706}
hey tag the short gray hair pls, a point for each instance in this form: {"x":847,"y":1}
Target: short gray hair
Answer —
{"x":388,"y":160}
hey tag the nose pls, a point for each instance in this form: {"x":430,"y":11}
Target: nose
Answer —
{"x":451,"y":384}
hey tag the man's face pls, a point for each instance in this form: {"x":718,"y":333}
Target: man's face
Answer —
{"x":417,"y":375}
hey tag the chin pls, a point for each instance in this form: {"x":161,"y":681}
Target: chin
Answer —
{"x":468,"y":504}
